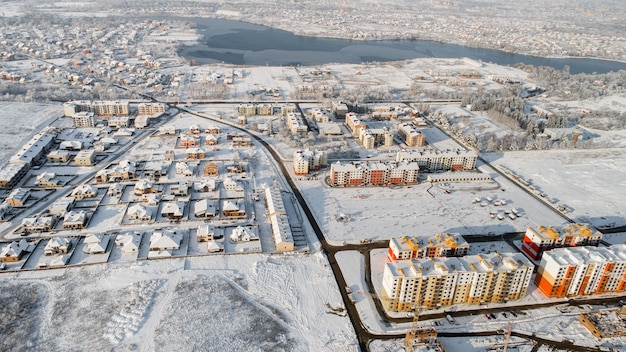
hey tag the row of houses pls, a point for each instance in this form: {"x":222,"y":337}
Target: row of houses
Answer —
{"x":373,"y":173}
{"x":281,"y":231}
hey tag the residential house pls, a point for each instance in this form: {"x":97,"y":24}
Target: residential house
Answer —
{"x":85,"y":157}
{"x":204,"y":208}
{"x":182,"y":168}
{"x":14,"y":251}
{"x":144,"y":186}
{"x":231,"y":185}
{"x":179,"y":189}
{"x":234,"y":209}
{"x":129,"y":242}
{"x":95,"y":244}
{"x":58,"y":156}
{"x":40,"y":223}
{"x":62,"y":205}
{"x":173,"y":210}
{"x":187,"y":141}
{"x":205,"y":233}
{"x":195,"y":153}
{"x":84,"y":191}
{"x":75,"y":219}
{"x":18,"y":197}
{"x":211,"y":140}
{"x":115,"y":190}
{"x":71,"y":145}
{"x":57,"y":245}
{"x":205,"y":185}
{"x":164,"y":241}
{"x":139,"y":212}
{"x":47,"y":179}
{"x":243,"y":234}
{"x":211,"y":169}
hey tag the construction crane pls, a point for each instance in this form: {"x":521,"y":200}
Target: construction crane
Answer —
{"x":409,"y":339}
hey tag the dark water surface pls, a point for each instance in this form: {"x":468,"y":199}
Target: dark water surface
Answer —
{"x":241,"y":43}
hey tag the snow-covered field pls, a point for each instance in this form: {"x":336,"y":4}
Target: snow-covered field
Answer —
{"x":251,"y":302}
{"x":591,"y":182}
{"x":19,"y":120}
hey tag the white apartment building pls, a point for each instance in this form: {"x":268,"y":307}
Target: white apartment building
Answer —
{"x":434,"y":160}
{"x":84,"y":119}
{"x":440,"y":282}
{"x":577,"y":271}
{"x":305,"y":161}
{"x":373,"y":173}
{"x":151,"y":108}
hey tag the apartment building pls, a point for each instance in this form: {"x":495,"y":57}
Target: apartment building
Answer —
{"x":582,"y":271}
{"x":85,"y":157}
{"x":84,"y":119}
{"x":296,"y":124}
{"x":100,"y":108}
{"x":246,"y":109}
{"x":375,"y":137}
{"x":439,"y":245}
{"x":151,"y":108}
{"x":354,"y":124}
{"x":544,"y":238}
{"x":373,"y":173}
{"x":12,"y":173}
{"x":440,"y":282}
{"x":305,"y":161}
{"x":435,"y":160}
{"x":410,"y":135}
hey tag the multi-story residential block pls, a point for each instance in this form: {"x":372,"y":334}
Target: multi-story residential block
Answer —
{"x":305,"y":161}
{"x":373,"y":173}
{"x":410,"y":135}
{"x":354,"y":124}
{"x":440,"y":245}
{"x":296,"y":124}
{"x":440,"y":282}
{"x":118,"y":121}
{"x":440,"y":160}
{"x":287,"y":109}
{"x":58,"y":156}
{"x":581,"y":271}
{"x":84,"y":119}
{"x":265,"y":110}
{"x":100,"y":108}
{"x":371,"y":138}
{"x":151,"y":108}
{"x":246,"y":109}
{"x":540,"y":239}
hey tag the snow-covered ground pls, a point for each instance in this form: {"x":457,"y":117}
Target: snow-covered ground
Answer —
{"x":245,"y":302}
{"x":19,"y":121}
{"x":591,"y":182}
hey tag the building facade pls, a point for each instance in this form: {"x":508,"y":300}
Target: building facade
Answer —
{"x":436,"y":160}
{"x":440,"y":245}
{"x":440,"y":282}
{"x":305,"y":161}
{"x":582,"y":271}
{"x":544,"y":238}
{"x":373,"y":174}
{"x":410,"y":135}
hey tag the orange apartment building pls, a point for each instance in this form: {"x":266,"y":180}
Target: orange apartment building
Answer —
{"x":440,"y":282}
{"x":543,"y":238}
{"x":373,"y":173}
{"x":440,"y":245}
{"x":582,"y":271}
